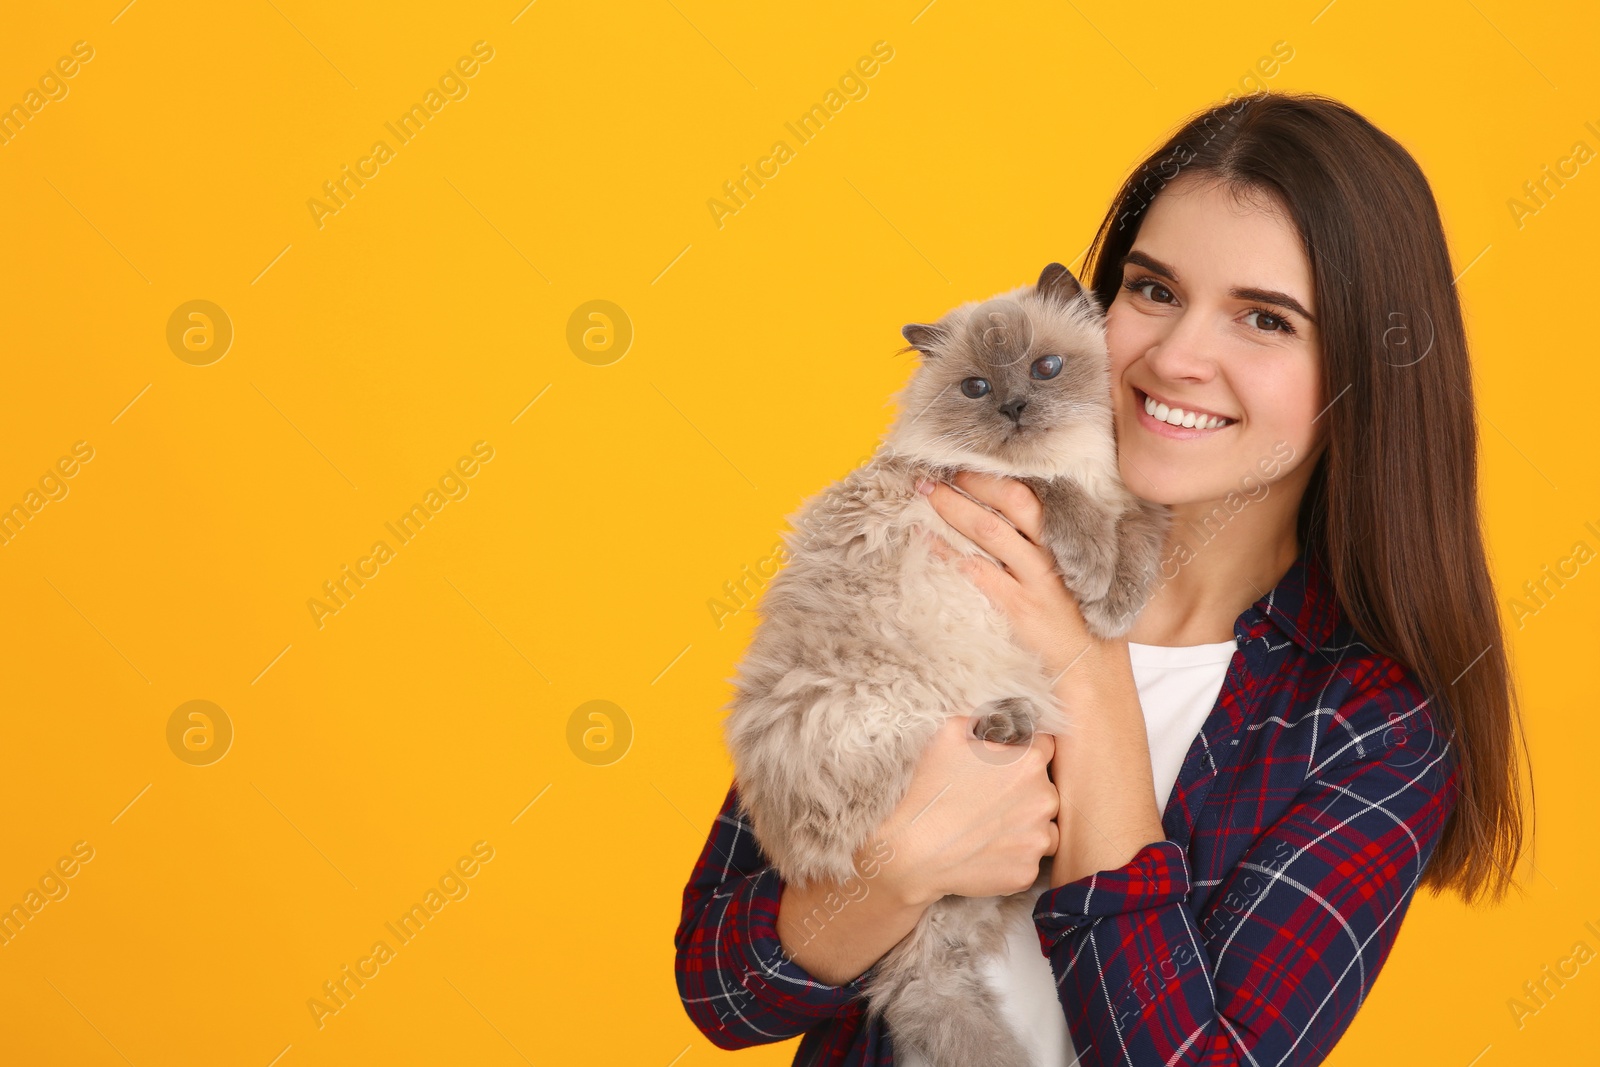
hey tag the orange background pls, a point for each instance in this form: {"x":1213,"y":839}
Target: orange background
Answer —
{"x":373,"y":347}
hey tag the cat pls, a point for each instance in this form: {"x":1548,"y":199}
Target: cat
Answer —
{"x":867,"y":641}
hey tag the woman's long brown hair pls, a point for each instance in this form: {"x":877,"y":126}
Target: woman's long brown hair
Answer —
{"x":1392,"y":506}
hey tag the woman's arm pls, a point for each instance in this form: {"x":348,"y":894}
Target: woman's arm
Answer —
{"x":1105,"y":818}
{"x":738,"y":985}
{"x":975,"y":820}
{"x":1276,"y":967}
{"x":756,"y":957}
{"x":837,"y":931}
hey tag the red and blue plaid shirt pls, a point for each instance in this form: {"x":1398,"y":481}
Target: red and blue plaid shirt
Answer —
{"x":1296,"y":834}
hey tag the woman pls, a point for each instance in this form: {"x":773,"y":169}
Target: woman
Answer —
{"x":1311,"y":717}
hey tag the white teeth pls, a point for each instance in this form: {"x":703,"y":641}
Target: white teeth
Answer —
{"x":1180,"y":417}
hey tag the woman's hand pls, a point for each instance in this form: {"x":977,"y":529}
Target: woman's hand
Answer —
{"x":977,"y":818}
{"x":1103,"y":818}
{"x":1044,"y":613}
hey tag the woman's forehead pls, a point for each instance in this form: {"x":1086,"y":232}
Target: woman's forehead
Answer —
{"x":1207,"y":233}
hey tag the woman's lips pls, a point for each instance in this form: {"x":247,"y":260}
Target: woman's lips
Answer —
{"x":1166,"y":429}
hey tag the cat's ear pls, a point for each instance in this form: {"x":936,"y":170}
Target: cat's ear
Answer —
{"x":1057,"y":282}
{"x":925,"y":337}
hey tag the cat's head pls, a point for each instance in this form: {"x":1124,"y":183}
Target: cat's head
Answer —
{"x":1019,"y":383}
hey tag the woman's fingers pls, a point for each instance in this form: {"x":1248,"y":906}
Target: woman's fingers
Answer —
{"x":994,"y":534}
{"x":1012,"y":498}
{"x":982,"y":824}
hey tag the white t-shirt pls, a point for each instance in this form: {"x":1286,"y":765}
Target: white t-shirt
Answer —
{"x":1178,"y":687}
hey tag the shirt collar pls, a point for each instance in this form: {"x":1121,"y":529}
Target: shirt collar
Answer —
{"x":1303,"y":605}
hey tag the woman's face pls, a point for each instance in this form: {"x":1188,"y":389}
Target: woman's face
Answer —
{"x":1214,"y":315}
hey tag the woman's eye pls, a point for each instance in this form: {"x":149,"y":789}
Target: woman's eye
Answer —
{"x":974,"y":387}
{"x":1273,"y":323}
{"x":1140,"y":285}
{"x":1046,"y":367}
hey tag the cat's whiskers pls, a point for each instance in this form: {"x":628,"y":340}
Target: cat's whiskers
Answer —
{"x":962,"y":434}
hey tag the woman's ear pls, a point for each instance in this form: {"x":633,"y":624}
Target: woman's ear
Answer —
{"x":1056,"y":282}
{"x":925,"y":337}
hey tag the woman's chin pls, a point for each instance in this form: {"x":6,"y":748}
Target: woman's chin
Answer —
{"x":1149,"y":481}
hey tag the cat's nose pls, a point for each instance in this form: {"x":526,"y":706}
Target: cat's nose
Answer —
{"x":1012,"y":409}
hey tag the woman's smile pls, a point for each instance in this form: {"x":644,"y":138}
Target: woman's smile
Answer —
{"x":1170,"y":420}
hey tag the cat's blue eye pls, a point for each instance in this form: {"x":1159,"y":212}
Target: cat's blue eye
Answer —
{"x":1046,"y":367}
{"x":975,"y":387}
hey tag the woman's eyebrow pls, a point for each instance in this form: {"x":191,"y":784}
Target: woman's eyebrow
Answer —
{"x":1150,"y":263}
{"x":1264,"y":296}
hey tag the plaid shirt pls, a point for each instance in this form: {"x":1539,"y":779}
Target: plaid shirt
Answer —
{"x":1296,"y":833}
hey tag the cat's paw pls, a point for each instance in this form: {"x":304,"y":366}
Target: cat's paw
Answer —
{"x":1007,"y":721}
{"x":1140,"y":534}
{"x":1115,"y":613}
{"x":1087,"y":561}
{"x":1081,"y":534}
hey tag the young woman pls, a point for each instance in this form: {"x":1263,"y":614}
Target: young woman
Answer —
{"x":1313,"y":714}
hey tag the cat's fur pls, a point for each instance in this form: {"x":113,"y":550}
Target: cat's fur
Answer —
{"x":868,"y":642}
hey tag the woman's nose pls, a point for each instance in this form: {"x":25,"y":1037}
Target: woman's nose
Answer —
{"x":1186,"y":351}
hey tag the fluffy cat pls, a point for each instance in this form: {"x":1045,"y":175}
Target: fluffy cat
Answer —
{"x":868,"y":642}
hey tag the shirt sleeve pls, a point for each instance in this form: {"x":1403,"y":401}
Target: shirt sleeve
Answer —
{"x":734,"y":978}
{"x":1275,"y":968}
